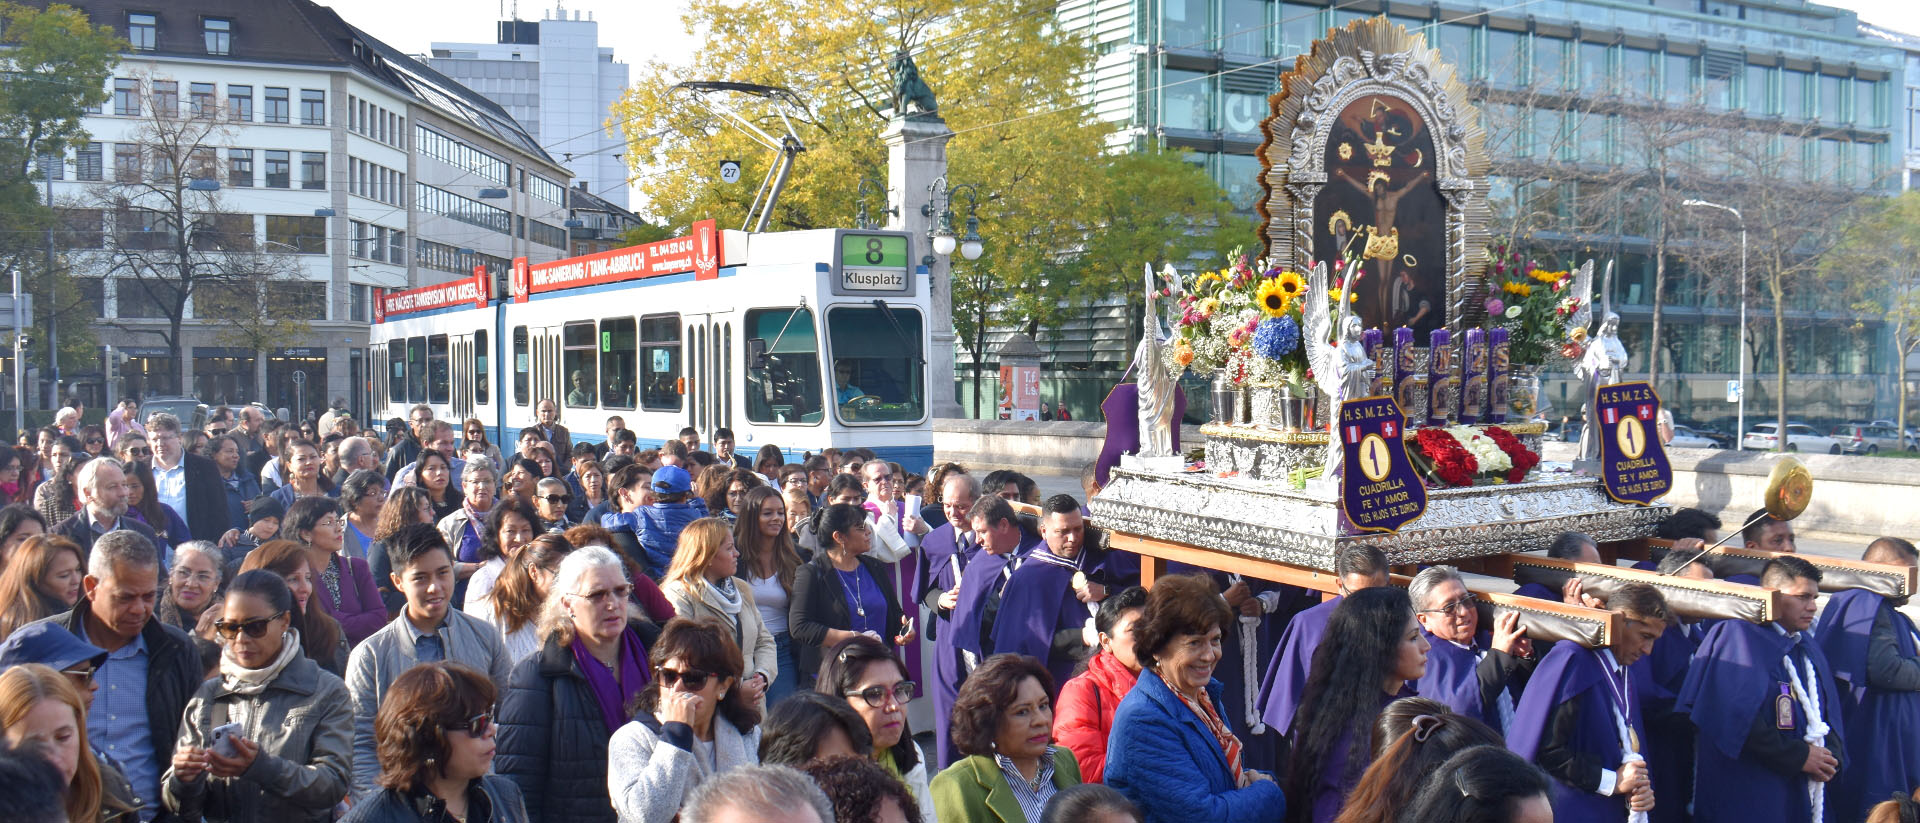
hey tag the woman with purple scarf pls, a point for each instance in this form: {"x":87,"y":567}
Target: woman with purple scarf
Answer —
{"x":566,"y":701}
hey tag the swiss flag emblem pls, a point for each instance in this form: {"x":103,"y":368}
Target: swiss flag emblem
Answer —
{"x":1645,"y":411}
{"x":1388,"y":429}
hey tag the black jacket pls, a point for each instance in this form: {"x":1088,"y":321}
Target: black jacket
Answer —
{"x":553,"y":740}
{"x":207,"y":515}
{"x":173,"y":675}
{"x":820,"y":603}
{"x":77,"y":529}
{"x":501,"y":798}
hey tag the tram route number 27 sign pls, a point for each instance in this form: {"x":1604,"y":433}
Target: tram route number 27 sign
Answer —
{"x":1633,"y":463}
{"x":1379,"y":490}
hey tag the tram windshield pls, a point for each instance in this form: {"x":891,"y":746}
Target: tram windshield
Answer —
{"x":785,"y":386}
{"x":879,"y":363}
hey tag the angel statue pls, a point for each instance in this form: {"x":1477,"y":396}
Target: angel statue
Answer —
{"x":1340,"y":370}
{"x":1155,"y":383}
{"x":1602,"y":356}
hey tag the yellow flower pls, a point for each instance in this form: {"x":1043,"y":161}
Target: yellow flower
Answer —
{"x":1548,"y":277}
{"x":1291,"y":284}
{"x":1273,"y":298}
{"x":1209,"y":306}
{"x":1183,"y":353}
{"x":1520,"y":289}
{"x":1578,"y":335}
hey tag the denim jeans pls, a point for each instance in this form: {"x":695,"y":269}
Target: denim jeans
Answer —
{"x":789,"y":676}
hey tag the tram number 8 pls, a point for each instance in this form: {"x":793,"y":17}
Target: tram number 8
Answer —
{"x":874,"y":253}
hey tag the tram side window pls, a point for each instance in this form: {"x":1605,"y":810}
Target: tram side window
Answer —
{"x":618,"y":361}
{"x":579,"y":359}
{"x":438,"y":373}
{"x":482,"y":355}
{"x":397,"y":371}
{"x":660,"y":358}
{"x":522,"y":362}
{"x":416,"y":370}
{"x":786,"y":387}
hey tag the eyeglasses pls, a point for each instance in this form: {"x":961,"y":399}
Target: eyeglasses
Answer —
{"x":557,"y":498}
{"x":876,"y":695}
{"x":95,"y":441}
{"x":185,"y":575}
{"x":599,"y":598}
{"x":476,"y":725}
{"x":140,"y":451}
{"x":1461,"y":605}
{"x":694,"y":679}
{"x":82,"y":674}
{"x":255,"y":628}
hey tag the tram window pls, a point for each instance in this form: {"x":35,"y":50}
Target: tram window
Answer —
{"x":660,"y":360}
{"x":416,"y":369}
{"x":581,"y":364}
{"x":878,"y":368}
{"x":397,"y":370}
{"x":438,"y":373}
{"x":786,"y":387}
{"x":618,"y":360}
{"x":482,"y":355}
{"x":522,"y":361}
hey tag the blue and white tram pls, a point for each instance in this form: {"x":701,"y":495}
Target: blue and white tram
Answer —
{"x":803,"y":339}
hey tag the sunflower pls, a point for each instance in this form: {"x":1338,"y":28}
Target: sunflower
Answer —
{"x":1520,"y":289}
{"x":1292,"y":285}
{"x":1273,"y":298}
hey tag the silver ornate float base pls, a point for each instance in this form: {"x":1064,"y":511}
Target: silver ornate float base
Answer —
{"x":1267,"y":521}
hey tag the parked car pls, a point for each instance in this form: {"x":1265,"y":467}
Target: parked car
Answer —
{"x":1718,"y":433}
{"x":1856,"y":438}
{"x":1800,"y":438}
{"x":1568,"y":432}
{"x":192,"y":412}
{"x":1687,"y":437}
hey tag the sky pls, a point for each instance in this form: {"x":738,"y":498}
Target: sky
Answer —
{"x":1899,"y":15}
{"x":638,"y":30}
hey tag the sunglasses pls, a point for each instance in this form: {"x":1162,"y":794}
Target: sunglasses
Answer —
{"x":95,"y":441}
{"x":557,"y":498}
{"x":694,"y":679}
{"x":1460,"y":606}
{"x":82,"y":674}
{"x":255,"y":628}
{"x":876,"y":696}
{"x":142,"y":451}
{"x":476,"y":725}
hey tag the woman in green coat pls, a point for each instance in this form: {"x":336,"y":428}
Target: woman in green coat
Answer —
{"x":1003,"y":722}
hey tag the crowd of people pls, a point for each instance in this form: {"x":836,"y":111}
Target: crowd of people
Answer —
{"x":257,"y":621}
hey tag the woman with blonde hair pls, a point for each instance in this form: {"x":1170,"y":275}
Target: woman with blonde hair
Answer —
{"x":515,"y":602}
{"x":42,"y":579}
{"x":41,"y":706}
{"x":701,"y":583}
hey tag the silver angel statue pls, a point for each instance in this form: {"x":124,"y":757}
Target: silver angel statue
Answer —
{"x":1155,"y":382}
{"x":1602,"y":357}
{"x":1341,"y":370}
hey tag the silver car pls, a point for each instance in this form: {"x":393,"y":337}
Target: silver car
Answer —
{"x":1857,"y":438}
{"x":1800,"y":438}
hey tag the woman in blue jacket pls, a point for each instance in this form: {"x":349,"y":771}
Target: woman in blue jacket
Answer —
{"x":1171,"y":751}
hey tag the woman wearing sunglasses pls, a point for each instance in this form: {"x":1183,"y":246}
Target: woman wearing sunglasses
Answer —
{"x":94,"y":440}
{"x":435,"y":734}
{"x":473,"y":433}
{"x":568,"y":699}
{"x":285,"y":740}
{"x":695,"y":723}
{"x":874,"y":682}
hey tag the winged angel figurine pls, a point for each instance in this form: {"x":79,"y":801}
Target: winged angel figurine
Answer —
{"x":1155,"y":383}
{"x":1339,"y":368}
{"x":1602,"y":357}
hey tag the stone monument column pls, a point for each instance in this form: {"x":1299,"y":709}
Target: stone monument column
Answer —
{"x":916,"y":156}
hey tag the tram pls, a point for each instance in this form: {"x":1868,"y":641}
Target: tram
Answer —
{"x":804,"y":339}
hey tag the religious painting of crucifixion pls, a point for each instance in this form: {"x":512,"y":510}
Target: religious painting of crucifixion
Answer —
{"x":1380,"y":206}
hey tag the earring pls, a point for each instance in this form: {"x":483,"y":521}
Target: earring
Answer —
{"x":430,"y":763}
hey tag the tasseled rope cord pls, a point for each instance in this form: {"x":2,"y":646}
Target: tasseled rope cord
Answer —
{"x":1816,"y":727}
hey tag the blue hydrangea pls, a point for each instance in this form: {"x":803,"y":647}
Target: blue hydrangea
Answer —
{"x":1276,"y":338}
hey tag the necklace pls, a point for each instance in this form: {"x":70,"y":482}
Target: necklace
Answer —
{"x":851,"y":581}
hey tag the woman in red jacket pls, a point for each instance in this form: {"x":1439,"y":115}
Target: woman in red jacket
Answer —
{"x":1084,"y":714}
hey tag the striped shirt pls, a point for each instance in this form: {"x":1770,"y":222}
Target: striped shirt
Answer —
{"x":1033,"y":796}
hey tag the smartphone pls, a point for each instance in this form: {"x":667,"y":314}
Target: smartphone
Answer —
{"x":906,"y":625}
{"x":222,"y":740}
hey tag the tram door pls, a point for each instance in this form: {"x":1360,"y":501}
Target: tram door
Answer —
{"x":546,"y":372}
{"x":462,"y":406}
{"x":710,"y":368}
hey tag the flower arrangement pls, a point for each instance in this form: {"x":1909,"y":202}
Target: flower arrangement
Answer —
{"x":1530,"y":303}
{"x":1246,"y":319}
{"x":1460,"y":455}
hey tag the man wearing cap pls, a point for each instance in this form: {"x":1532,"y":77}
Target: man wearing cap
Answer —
{"x":64,"y":652}
{"x":658,"y":524}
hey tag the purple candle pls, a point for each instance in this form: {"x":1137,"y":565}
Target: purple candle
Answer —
{"x":1499,"y":374}
{"x":1439,"y":378}
{"x":1473,"y":382}
{"x":1405,"y":380}
{"x":1371,"y":338}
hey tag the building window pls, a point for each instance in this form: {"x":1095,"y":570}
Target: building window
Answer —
{"x":279,"y":169}
{"x":360,"y":303}
{"x":460,"y":155}
{"x":240,"y":168}
{"x":313,"y":107}
{"x":397,"y":247}
{"x":546,"y":235}
{"x":49,"y":167}
{"x":307,"y":235}
{"x":143,"y":30}
{"x":313,"y":170}
{"x":278,"y":105}
{"x":466,"y":210}
{"x":240,"y":103}
{"x":166,"y":98}
{"x":200,"y":99}
{"x":126,"y":162}
{"x":126,"y":97}
{"x":86,"y":163}
{"x":81,"y":228}
{"x":219,"y":35}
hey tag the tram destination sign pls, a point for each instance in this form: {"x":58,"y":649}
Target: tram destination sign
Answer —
{"x":867,"y":262}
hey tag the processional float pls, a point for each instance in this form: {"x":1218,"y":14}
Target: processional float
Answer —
{"x":1332,"y":426}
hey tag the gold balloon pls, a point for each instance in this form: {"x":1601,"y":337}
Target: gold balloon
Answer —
{"x":1789,"y":489}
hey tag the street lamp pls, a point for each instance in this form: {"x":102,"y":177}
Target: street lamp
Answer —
{"x":1740,"y":436}
{"x":941,"y":231}
{"x":860,"y":216}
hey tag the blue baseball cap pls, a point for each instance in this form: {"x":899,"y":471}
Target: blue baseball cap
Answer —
{"x":671,"y":480}
{"x":50,"y":645}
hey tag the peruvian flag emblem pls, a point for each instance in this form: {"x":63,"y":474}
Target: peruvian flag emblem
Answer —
{"x":1611,"y":416}
{"x":1353,"y":434}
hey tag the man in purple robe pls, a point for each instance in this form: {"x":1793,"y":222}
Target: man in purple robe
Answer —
{"x":1475,"y":673}
{"x":977,"y":602}
{"x":1872,"y":648}
{"x":1050,"y":601}
{"x":1657,"y":681}
{"x":1682,"y":525}
{"x":1764,"y":701}
{"x":1580,"y":717}
{"x":947,"y":549}
{"x":1570,"y":546}
{"x":1355,"y":568}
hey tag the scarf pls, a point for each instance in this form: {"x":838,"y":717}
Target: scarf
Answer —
{"x":1229,"y":745}
{"x":241,"y":680}
{"x":614,"y":697}
{"x":725,"y":597}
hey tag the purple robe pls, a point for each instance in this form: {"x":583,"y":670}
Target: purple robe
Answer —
{"x":1038,"y":602}
{"x":1572,"y":673}
{"x":1736,"y":676}
{"x":1336,"y":782}
{"x":1452,"y":678}
{"x":1656,"y":681}
{"x":946,"y":670}
{"x":1286,"y":681}
{"x":1539,"y":590}
{"x":1883,"y":749}
{"x":983,"y":577}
